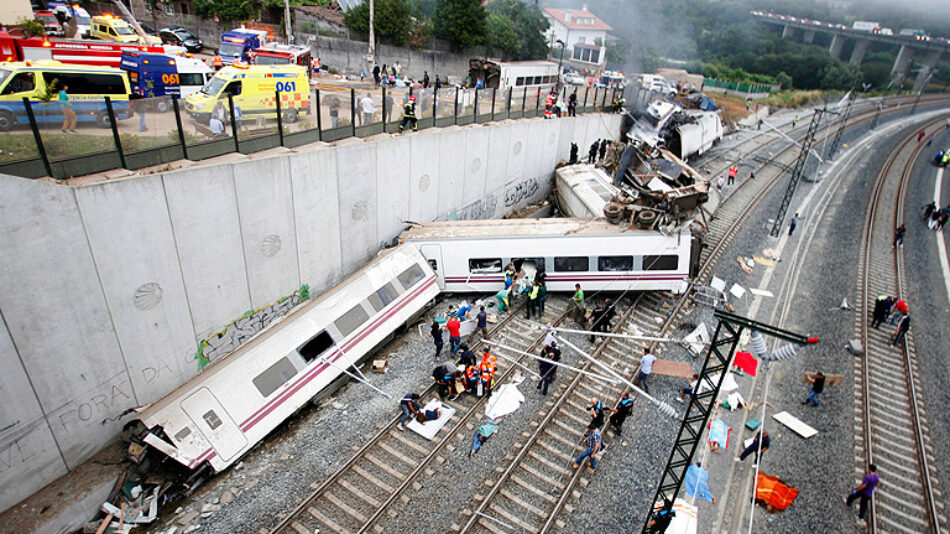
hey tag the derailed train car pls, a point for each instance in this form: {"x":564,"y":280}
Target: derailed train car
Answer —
{"x":219,"y":415}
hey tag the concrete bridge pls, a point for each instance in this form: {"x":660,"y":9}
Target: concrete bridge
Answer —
{"x":931,"y":50}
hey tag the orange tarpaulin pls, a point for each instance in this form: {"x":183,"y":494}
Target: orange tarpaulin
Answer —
{"x":773,"y":492}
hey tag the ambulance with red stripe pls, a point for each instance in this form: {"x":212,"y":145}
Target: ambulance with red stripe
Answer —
{"x":254,"y":89}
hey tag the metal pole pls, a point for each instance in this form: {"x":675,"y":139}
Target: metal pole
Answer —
{"x":115,"y":132}
{"x":524,"y":102}
{"x":456,"y":105}
{"x":475,"y":108}
{"x":36,"y":135}
{"x":586,"y":91}
{"x":181,"y":131}
{"x":287,"y":25}
{"x":353,"y":111}
{"x":493,"y":93}
{"x":319,"y":116}
{"x":510,"y":90}
{"x":435,"y":99}
{"x":603,"y":100}
{"x":280,"y":121}
{"x":537,"y":103}
{"x":234,"y":130}
{"x":384,"y":109}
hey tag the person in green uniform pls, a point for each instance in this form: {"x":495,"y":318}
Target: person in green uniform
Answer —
{"x":580,"y":311}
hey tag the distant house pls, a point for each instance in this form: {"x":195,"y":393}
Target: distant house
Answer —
{"x":580,"y":30}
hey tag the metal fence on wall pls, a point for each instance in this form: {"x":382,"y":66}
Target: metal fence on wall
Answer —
{"x":40,"y":139}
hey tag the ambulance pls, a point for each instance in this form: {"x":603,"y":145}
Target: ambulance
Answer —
{"x":88,"y":87}
{"x":164,"y":74}
{"x":109,"y":28}
{"x":254,"y":90}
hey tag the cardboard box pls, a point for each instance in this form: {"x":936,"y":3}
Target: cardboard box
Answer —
{"x":380,"y":366}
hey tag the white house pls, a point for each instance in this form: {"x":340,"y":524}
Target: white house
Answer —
{"x":579,"y":29}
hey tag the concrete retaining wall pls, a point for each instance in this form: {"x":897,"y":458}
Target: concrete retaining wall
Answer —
{"x":350,"y":56}
{"x":114,"y":294}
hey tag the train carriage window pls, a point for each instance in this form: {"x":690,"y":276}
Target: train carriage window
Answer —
{"x":317,"y":345}
{"x":615,"y":263}
{"x":669,"y":262}
{"x":530,"y":265}
{"x":410,"y":276}
{"x":383,"y":296}
{"x":212,"y":419}
{"x":519,"y":80}
{"x":571,"y":263}
{"x":434,"y":264}
{"x":484,"y":265}
{"x":351,"y":320}
{"x":275,"y":376}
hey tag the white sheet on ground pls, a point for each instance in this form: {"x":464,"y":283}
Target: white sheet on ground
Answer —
{"x":697,"y":339}
{"x":685,"y":520}
{"x":430,"y":428}
{"x":728,"y":384}
{"x":503,"y":401}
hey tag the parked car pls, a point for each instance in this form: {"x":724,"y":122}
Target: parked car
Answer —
{"x":179,"y":36}
{"x":50,"y":23}
{"x":573,"y":78}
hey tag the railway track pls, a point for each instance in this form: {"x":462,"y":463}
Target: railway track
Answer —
{"x":894,"y":434}
{"x":535,"y":487}
{"x":389,"y":464}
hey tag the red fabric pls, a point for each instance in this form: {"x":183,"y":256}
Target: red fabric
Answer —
{"x":733,"y":171}
{"x":746,"y":362}
{"x":771,"y":490}
{"x":453,"y":327}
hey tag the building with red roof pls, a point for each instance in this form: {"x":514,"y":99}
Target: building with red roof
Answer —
{"x":580,"y":30}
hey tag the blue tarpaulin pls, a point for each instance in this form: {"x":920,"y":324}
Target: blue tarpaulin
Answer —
{"x":697,"y":483}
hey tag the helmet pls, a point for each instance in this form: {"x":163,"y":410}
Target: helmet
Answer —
{"x":412,"y":98}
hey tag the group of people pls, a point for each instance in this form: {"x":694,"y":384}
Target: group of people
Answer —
{"x":554,"y":104}
{"x":519,"y":283}
{"x":597,"y":151}
{"x":388,"y":74}
{"x":935,"y":216}
{"x":893,"y":311}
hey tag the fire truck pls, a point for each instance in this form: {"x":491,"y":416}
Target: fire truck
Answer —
{"x":281,"y":54}
{"x":75,"y":51}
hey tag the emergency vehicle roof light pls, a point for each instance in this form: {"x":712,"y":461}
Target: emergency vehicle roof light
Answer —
{"x":145,"y":61}
{"x":171,"y":61}
{"x":47,"y":44}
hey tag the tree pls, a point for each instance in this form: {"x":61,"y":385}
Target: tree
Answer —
{"x":502,"y":36}
{"x":31,"y":28}
{"x":225,"y":10}
{"x":840,"y":75}
{"x":528,"y":23}
{"x":462,"y":23}
{"x":784,"y":80}
{"x":391,"y":20}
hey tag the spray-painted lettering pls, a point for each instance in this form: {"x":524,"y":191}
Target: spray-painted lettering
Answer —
{"x":480,"y":209}
{"x":99,"y":407}
{"x":149,"y":374}
{"x":232,"y":336}
{"x":521,"y":191}
{"x":14,"y":454}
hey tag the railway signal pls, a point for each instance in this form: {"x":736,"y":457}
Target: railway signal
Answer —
{"x":715,"y":366}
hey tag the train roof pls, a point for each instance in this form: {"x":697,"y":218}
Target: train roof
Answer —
{"x":501,"y":228}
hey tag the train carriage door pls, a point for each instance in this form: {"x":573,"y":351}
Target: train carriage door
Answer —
{"x":215,"y":423}
{"x":433,"y":255}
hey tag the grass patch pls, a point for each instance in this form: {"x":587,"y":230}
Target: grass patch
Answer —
{"x":20,"y":146}
{"x":796,"y":99}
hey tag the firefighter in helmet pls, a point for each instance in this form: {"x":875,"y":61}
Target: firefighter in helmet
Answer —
{"x":409,"y":115}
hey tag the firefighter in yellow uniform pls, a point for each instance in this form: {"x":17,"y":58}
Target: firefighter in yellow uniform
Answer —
{"x":409,"y":115}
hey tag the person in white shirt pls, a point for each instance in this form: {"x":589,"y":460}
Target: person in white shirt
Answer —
{"x":368,"y":107}
{"x":646,"y":367}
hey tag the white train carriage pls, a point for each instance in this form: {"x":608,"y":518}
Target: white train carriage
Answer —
{"x":220,"y":414}
{"x":470,"y":256}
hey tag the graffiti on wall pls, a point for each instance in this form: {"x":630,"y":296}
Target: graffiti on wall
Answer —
{"x":480,"y":209}
{"x":232,"y":336}
{"x":521,"y":191}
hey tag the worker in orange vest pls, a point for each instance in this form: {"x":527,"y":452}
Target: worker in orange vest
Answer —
{"x":548,"y":106}
{"x":217,"y":62}
{"x":315,"y":65}
{"x":733,"y":171}
{"x":487,"y":368}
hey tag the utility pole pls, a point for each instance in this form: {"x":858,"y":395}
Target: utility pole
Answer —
{"x":135,"y":24}
{"x":880,"y":106}
{"x":797,"y":171}
{"x":288,"y":25}
{"x":702,"y":401}
{"x":841,"y":127}
{"x":371,"y":53}
{"x":926,"y":81}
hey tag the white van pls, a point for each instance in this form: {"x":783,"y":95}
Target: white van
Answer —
{"x":656,"y":83}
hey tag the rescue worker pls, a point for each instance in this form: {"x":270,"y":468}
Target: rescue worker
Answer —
{"x":409,"y":115}
{"x":623,"y":409}
{"x":733,"y":171}
{"x":592,"y":153}
{"x":487,"y":369}
{"x":217,"y":62}
{"x":559,"y":106}
{"x":502,"y":297}
{"x":532,"y":307}
{"x":618,"y":104}
{"x":549,"y":106}
{"x":315,"y":66}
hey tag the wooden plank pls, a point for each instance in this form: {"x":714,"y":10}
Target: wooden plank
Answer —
{"x":513,"y":518}
{"x":400,"y":437}
{"x":105,"y":523}
{"x":396,"y":454}
{"x":377,"y":482}
{"x":795,"y":424}
{"x":542,"y":476}
{"x":346,"y":507}
{"x":382,"y":465}
{"x":299,"y":528}
{"x":524,"y":504}
{"x":326,"y":521}
{"x":830,"y":380}
{"x":527,"y":485}
{"x":359,"y":494}
{"x":668,"y":368}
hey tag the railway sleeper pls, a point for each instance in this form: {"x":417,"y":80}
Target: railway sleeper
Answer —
{"x":513,"y":518}
{"x":326,"y":521}
{"x":346,"y":507}
{"x":520,"y":501}
{"x":373,"y":480}
{"x":359,"y":494}
{"x":527,"y":486}
{"x":545,"y":462}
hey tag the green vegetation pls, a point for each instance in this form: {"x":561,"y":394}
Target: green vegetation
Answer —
{"x":522,"y":27}
{"x":461,"y":23}
{"x":391,"y":20}
{"x":31,"y":28}
{"x":225,"y":10}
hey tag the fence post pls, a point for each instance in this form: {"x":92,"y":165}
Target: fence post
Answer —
{"x":435,"y":100}
{"x":384,"y":108}
{"x":475,"y":108}
{"x":586,"y":91}
{"x":456,"y":105}
{"x":280,"y":120}
{"x":319,"y":116}
{"x":181,"y":131}
{"x":537,"y":103}
{"x":353,"y":111}
{"x":234,"y":129}
{"x":115,"y":132}
{"x":36,"y":136}
{"x":510,"y":89}
{"x":603,"y":99}
{"x":524,"y":103}
{"x":494,"y":92}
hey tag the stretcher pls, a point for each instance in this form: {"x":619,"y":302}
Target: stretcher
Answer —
{"x":429,"y":429}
